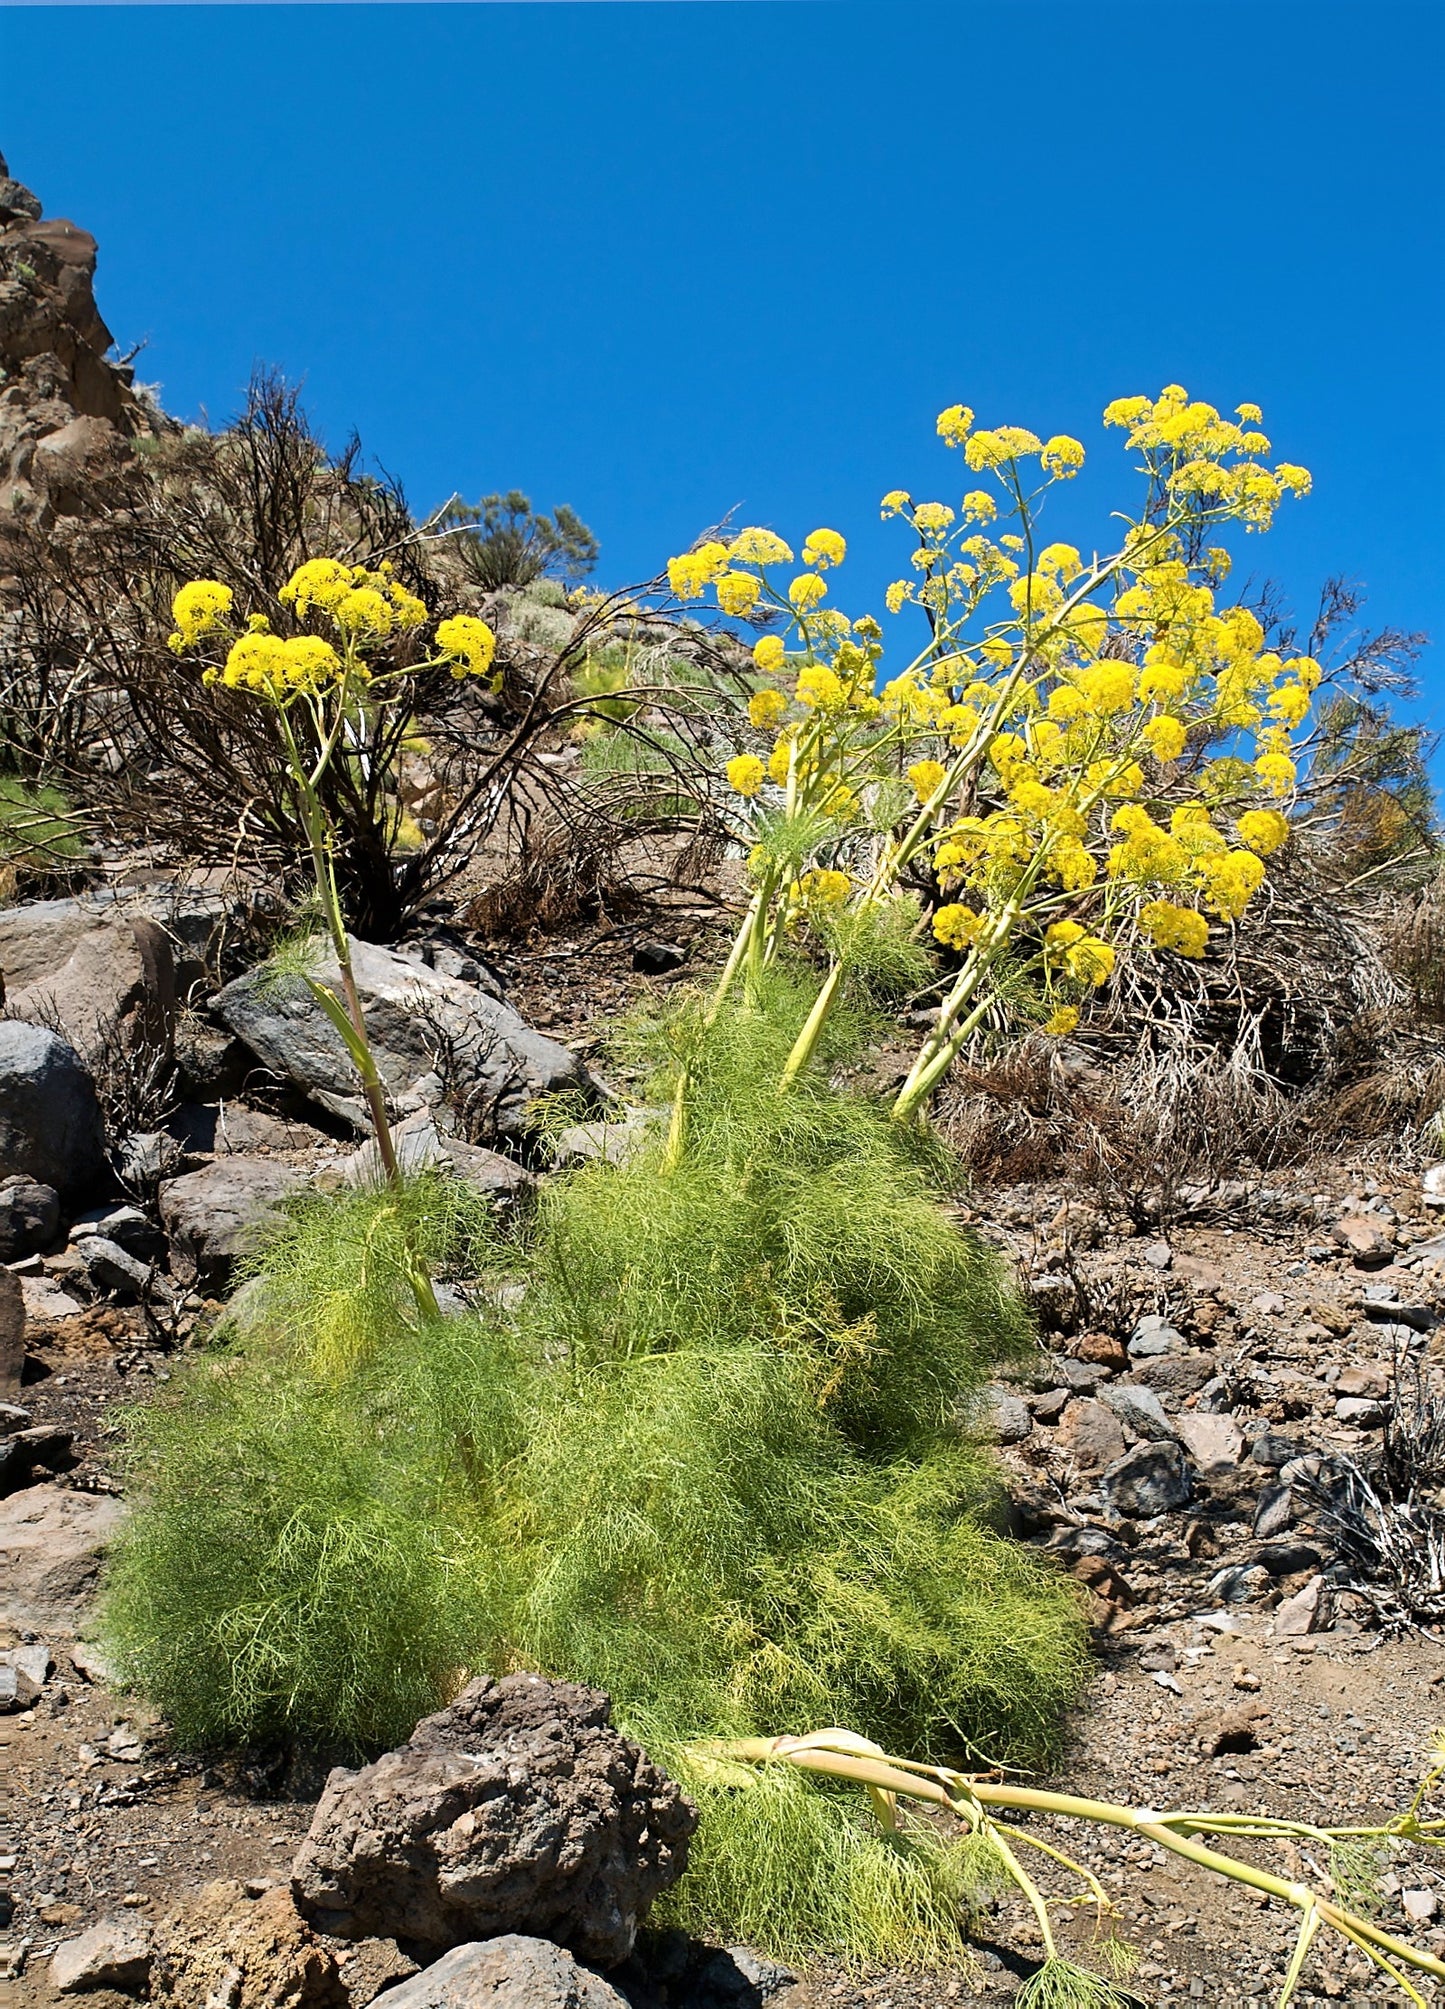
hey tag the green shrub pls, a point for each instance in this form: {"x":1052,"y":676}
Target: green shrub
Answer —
{"x":309,"y":1552}
{"x":715,"y":1460}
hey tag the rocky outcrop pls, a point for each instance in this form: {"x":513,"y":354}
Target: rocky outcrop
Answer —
{"x":519,"y":1809}
{"x":67,"y":415}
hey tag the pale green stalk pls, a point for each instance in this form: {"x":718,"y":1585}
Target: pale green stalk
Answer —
{"x":843,"y":1755}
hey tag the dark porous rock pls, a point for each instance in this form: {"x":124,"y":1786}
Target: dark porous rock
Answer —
{"x":1151,"y":1479}
{"x":513,"y":1972}
{"x":50,"y":1127}
{"x":517,"y":1809}
{"x":412,"y":1013}
{"x":29,"y":1217}
{"x":1180,"y":1375}
{"x":211,"y":1215}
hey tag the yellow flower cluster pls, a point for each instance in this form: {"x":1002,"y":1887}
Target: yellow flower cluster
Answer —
{"x":265,"y":664}
{"x":364,"y":605}
{"x":746,"y":774}
{"x":1182,"y":929}
{"x":199,"y":609}
{"x":1187,"y":444}
{"x":1085,"y":957}
{"x":1080,"y":710}
{"x":470,"y":644}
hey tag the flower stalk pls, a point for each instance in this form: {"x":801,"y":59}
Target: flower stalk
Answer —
{"x":840,"y":1754}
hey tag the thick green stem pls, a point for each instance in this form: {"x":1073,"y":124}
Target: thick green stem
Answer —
{"x":313,"y":816}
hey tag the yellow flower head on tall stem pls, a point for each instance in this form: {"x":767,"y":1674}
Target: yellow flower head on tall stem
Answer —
{"x":199,"y":609}
{"x":469,"y":643}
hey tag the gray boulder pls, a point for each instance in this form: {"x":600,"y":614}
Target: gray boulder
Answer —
{"x":517,"y":1809}
{"x":29,"y":1217}
{"x":412,"y":1014}
{"x":1149,"y":1480}
{"x":50,"y":1125}
{"x":92,"y":967}
{"x":211,"y":1215}
{"x":513,"y":1972}
{"x":423,"y":1145}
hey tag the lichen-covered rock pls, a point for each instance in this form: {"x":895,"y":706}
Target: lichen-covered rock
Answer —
{"x":518,"y":1809}
{"x":246,"y":1953}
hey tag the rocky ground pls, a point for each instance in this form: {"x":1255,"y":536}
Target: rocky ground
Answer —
{"x":1195,"y":1373}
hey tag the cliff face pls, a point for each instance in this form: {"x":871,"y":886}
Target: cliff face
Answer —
{"x":67,"y":416}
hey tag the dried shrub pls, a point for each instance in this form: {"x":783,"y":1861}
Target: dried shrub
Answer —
{"x":93,"y":702}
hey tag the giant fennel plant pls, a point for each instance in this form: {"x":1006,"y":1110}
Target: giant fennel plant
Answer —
{"x":706,"y":1437}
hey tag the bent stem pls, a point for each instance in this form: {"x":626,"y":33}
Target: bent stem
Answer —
{"x":843,"y":1755}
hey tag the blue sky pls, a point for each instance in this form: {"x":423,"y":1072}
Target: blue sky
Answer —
{"x":662,"y":261}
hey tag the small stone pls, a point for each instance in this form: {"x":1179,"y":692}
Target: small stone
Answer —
{"x":1368,"y":1381}
{"x":1215,"y":1398}
{"x":1214,"y":1443}
{"x":13,"y":1418}
{"x":1272,"y":1451}
{"x":24,"y":1671}
{"x":113,"y":1268}
{"x":1289,"y":1559}
{"x":1419,"y":1906}
{"x":1139,"y":1410}
{"x":1360,"y":1413}
{"x":512,"y":1972}
{"x":1301,"y":1613}
{"x":1415,"y":1317}
{"x":1151,"y":1479}
{"x":654,"y":959}
{"x":1332,"y":1318}
{"x":1159,"y":1256}
{"x":1090,"y":1436}
{"x":1153,"y":1336}
{"x":29,"y":1217}
{"x":114,"y":1954}
{"x":1268,"y":1304}
{"x":1005,"y":1416}
{"x":1432,"y":1186}
{"x":1101,"y":1349}
{"x":1244,"y":1678}
{"x":128,"y":1227}
{"x":1049,"y":1406}
{"x":1275,"y":1511}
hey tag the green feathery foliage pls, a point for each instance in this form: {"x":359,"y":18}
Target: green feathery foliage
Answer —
{"x":714,"y":1460}
{"x":309,"y":1550}
{"x":790,"y":1865}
